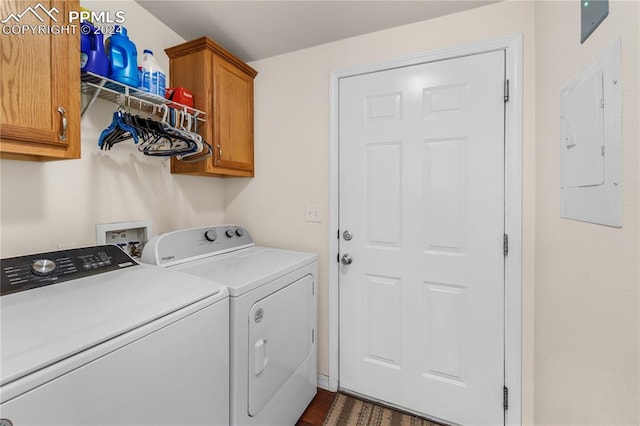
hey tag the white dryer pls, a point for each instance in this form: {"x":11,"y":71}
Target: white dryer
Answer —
{"x":91,"y":337}
{"x":273,"y":316}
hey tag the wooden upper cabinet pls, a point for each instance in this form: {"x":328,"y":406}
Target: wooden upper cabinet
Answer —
{"x":222,"y":87}
{"x":39,"y":83}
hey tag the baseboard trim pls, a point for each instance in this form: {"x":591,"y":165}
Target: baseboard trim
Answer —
{"x":323,"y":382}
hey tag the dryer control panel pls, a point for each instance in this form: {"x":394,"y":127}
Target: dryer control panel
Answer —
{"x":37,"y":270}
{"x":191,"y":244}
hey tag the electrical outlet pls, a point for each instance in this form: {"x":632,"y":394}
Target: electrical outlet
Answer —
{"x":313,"y":212}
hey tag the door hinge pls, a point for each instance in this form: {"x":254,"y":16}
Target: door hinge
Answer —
{"x":506,"y":90}
{"x":602,"y":150}
{"x":505,"y":398}
{"x":505,"y":244}
{"x":602,"y":103}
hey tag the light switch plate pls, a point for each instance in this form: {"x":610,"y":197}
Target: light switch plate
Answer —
{"x":313,"y":212}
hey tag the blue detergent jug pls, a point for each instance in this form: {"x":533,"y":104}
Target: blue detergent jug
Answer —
{"x":123,"y":56}
{"x":92,"y":55}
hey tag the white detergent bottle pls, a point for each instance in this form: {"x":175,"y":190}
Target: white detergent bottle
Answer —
{"x":152,"y":77}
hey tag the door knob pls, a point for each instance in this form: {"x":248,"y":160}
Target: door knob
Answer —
{"x":347,"y":235}
{"x":346,"y":259}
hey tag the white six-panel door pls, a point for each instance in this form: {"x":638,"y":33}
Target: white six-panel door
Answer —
{"x":422,"y":191}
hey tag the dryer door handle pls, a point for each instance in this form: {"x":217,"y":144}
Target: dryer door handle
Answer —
{"x":260,"y":358}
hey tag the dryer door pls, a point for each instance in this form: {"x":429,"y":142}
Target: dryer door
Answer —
{"x":280,"y":328}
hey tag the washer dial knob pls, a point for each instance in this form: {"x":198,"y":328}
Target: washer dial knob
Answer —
{"x":230,"y":233}
{"x":239,"y":232}
{"x":43,"y":267}
{"x":210,"y":235}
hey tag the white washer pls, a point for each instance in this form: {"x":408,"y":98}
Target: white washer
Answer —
{"x":91,"y":337}
{"x":273,"y":315}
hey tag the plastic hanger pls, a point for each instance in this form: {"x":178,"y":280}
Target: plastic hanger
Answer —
{"x":174,"y":135}
{"x":116,"y":132}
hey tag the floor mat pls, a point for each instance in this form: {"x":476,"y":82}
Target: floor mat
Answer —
{"x":349,"y":411}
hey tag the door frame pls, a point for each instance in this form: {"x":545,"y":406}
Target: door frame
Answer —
{"x":512,"y":45}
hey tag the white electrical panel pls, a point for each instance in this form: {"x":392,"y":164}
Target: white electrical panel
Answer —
{"x":582,"y":133}
{"x":591,"y":141}
{"x":130,"y":236}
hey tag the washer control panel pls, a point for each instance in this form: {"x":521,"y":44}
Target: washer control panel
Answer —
{"x":37,"y":270}
{"x":190,"y":244}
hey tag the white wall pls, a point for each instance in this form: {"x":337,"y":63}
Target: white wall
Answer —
{"x":587,"y":276}
{"x":291,"y":134}
{"x":45,"y":205}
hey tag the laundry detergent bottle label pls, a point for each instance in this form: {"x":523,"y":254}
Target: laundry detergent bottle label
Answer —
{"x":152,"y":77}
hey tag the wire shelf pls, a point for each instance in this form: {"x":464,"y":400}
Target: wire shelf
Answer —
{"x":110,"y":90}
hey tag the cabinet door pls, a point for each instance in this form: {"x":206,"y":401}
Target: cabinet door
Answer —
{"x":39,"y":82}
{"x":233,"y":125}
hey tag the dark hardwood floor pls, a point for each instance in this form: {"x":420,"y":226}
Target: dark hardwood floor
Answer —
{"x":316,"y":412}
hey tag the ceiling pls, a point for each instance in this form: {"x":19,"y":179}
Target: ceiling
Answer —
{"x":259,"y":29}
